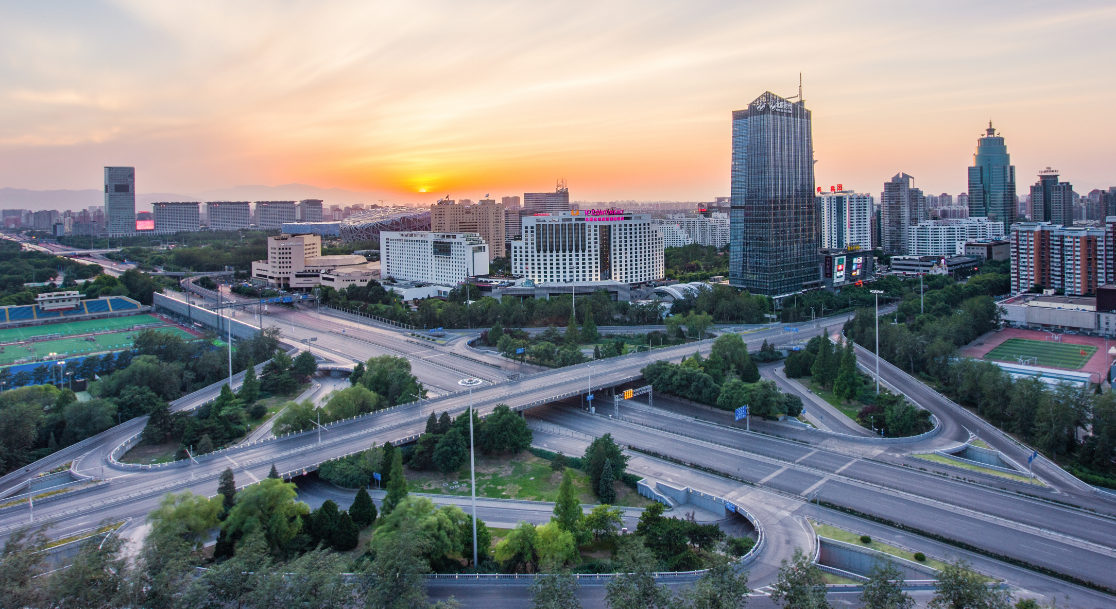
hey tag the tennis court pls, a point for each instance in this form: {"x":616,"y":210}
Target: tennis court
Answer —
{"x":66,"y":347}
{"x":85,"y":326}
{"x":1042,"y":353}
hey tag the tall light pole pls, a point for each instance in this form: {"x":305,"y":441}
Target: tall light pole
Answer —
{"x":470,"y":383}
{"x":877,"y":293}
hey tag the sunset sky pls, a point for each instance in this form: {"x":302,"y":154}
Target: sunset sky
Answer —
{"x":626,"y":100}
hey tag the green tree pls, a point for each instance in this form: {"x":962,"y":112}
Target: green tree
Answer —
{"x":226,"y":488}
{"x":698,"y":324}
{"x":305,"y":365}
{"x":396,"y":484}
{"x":205,"y":445}
{"x":363,"y":509}
{"x":506,"y":431}
{"x":597,"y":453}
{"x":556,"y":547}
{"x":484,"y":539}
{"x":270,"y":507}
{"x":734,"y":394}
{"x":800,"y":584}
{"x":96,"y":577}
{"x":883,"y":589}
{"x":397,"y":571}
{"x":959,"y":587}
{"x":603,"y":521}
{"x":635,"y":587}
{"x":233,"y":582}
{"x":22,"y":562}
{"x":250,"y":388}
{"x":572,"y":337}
{"x":567,"y":509}
{"x":187,"y":516}
{"x":295,"y":417}
{"x":721,"y":587}
{"x":495,"y":333}
{"x":273,"y":474}
{"x":824,"y":364}
{"x":451,"y":452}
{"x":516,"y":551}
{"x":386,"y":463}
{"x":346,"y":535}
{"x":589,"y":331}
{"x":356,"y":374}
{"x":390,"y":378}
{"x":556,"y":590}
{"x":350,"y":402}
{"x":596,"y":352}
{"x":847,"y":384}
{"x":605,"y":490}
{"x":323,"y":523}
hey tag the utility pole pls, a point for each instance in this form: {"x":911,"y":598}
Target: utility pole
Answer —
{"x":470,"y":383}
{"x":877,"y":293}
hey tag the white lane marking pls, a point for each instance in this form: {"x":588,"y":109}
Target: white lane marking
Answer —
{"x":773,"y":474}
{"x":809,"y":454}
{"x":814,"y":487}
{"x":842,"y":468}
{"x":245,"y":470}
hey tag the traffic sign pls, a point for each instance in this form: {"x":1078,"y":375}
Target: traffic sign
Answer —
{"x":1033,"y":456}
{"x":519,"y":350}
{"x":627,"y":394}
{"x":730,"y":507}
{"x":792,"y":329}
{"x":376,"y":475}
{"x":589,"y":397}
{"x":742,"y":412}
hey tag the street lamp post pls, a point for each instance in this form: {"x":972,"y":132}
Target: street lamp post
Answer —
{"x":877,"y":293}
{"x":469,"y":383}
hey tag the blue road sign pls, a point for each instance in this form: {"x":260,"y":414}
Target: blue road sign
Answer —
{"x":376,"y":475}
{"x":730,"y":507}
{"x":589,"y":397}
{"x":741,"y":412}
{"x":1033,"y":456}
{"x":792,"y":329}
{"x":519,"y":350}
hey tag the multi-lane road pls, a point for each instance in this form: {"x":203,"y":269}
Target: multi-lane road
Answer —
{"x":858,"y":473}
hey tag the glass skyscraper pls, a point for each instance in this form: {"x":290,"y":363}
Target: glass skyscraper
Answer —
{"x":120,"y":201}
{"x":992,"y":181}
{"x":773,"y":226}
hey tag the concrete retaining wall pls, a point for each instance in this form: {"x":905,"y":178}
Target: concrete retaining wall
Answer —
{"x":860,"y":561}
{"x":205,"y":317}
{"x":981,"y":457}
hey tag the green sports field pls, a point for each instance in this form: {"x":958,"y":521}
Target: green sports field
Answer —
{"x":70,"y":328}
{"x":1047,"y":353}
{"x":69,"y":347}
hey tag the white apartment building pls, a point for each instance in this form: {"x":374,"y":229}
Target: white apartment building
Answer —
{"x":445,"y":259}
{"x":227,"y":215}
{"x":589,"y":246}
{"x":948,"y":237}
{"x":296,"y":262}
{"x":673,"y":235}
{"x":177,"y":217}
{"x":309,"y":210}
{"x":702,"y":230}
{"x":846,"y":218}
{"x":270,"y":215}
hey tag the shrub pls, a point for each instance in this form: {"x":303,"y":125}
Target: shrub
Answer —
{"x":739,"y":546}
{"x":920,"y":557}
{"x":865,"y":539}
{"x":257,"y":411}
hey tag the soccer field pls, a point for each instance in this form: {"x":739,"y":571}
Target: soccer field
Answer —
{"x":68,"y":347}
{"x":1046,"y":353}
{"x":70,"y":328}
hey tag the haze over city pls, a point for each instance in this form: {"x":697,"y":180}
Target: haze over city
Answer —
{"x":624,"y":100}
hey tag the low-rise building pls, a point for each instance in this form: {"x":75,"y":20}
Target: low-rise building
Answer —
{"x":1087,"y":314}
{"x":322,"y":229}
{"x":444,"y":259}
{"x":948,"y":237}
{"x":934,"y":265}
{"x":296,"y":262}
{"x":55,"y":301}
{"x":989,"y":250}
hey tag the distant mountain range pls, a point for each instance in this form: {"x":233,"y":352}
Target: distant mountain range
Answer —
{"x":22,"y":198}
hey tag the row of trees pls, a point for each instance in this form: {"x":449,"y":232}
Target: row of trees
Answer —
{"x":445,"y":443}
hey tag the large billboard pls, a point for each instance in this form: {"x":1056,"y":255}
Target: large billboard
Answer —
{"x":145,"y":225}
{"x":838,"y":269}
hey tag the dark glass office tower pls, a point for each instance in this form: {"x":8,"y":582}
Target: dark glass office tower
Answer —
{"x":773,"y":226}
{"x":992,"y":181}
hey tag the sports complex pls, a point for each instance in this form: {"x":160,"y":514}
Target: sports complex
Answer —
{"x":1033,"y":350}
{"x":61,"y":337}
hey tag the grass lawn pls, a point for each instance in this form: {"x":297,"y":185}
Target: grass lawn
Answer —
{"x":830,"y":579}
{"x":1046,"y":353}
{"x":980,"y":444}
{"x":149,"y":454}
{"x":825,"y":530}
{"x":849,"y":410}
{"x":77,"y":327}
{"x":976,"y":468}
{"x":523,"y":476}
{"x":274,"y":404}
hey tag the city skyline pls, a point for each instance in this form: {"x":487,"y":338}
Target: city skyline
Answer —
{"x":391,"y":99}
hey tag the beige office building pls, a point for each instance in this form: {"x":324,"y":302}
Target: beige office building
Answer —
{"x":485,"y":218}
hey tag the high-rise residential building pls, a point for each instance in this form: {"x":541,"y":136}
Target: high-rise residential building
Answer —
{"x":485,"y":219}
{"x":177,"y":217}
{"x":309,"y":210}
{"x":548,"y":202}
{"x":511,"y":202}
{"x":846,"y":219}
{"x":945,"y":200}
{"x":45,"y":219}
{"x":992,"y":180}
{"x":227,"y":215}
{"x":271,"y":215}
{"x":590,"y":245}
{"x":948,"y":237}
{"x":1051,"y":201}
{"x":511,"y":216}
{"x":120,"y":201}
{"x":902,"y":206}
{"x":774,"y":232}
{"x":673,"y":235}
{"x":445,"y":259}
{"x":705,"y":228}
{"x":1074,"y":259}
